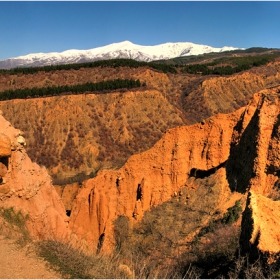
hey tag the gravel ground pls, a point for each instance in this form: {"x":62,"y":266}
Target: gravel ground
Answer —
{"x":22,"y":263}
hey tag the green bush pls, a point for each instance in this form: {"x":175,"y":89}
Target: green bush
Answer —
{"x":233,"y":213}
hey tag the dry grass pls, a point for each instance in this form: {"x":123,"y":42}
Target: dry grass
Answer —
{"x":72,"y":263}
{"x":13,"y":225}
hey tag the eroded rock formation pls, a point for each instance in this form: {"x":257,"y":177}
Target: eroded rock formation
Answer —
{"x":83,"y":133}
{"x":241,"y":146}
{"x":152,"y":177}
{"x":260,"y":222}
{"x":27,"y":187}
{"x":238,"y":152}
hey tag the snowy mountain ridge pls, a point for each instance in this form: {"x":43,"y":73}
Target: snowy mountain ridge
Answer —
{"x":125,"y":49}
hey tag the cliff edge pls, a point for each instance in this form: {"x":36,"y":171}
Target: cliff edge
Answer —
{"x":242,"y":147}
{"x":27,"y":187}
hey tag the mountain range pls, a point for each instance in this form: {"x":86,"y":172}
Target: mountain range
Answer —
{"x":125,"y":49}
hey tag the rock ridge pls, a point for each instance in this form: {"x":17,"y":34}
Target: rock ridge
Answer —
{"x":240,"y":150}
{"x":240,"y":143}
{"x":27,"y":187}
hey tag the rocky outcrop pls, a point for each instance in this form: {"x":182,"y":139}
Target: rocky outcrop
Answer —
{"x":27,"y":187}
{"x":260,"y":222}
{"x":239,"y":144}
{"x":5,"y":146}
{"x":249,"y":165}
{"x":150,"y":178}
{"x":238,"y":152}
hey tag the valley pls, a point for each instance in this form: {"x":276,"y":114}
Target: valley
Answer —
{"x":161,"y":178}
{"x":76,"y":135}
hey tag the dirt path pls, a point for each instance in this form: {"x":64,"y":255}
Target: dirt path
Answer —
{"x":16,"y":262}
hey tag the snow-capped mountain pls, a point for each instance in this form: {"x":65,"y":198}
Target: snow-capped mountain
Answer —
{"x":124,"y":49}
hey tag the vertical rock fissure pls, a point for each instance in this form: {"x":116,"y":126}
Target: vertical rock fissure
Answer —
{"x":100,"y":242}
{"x":139,"y":192}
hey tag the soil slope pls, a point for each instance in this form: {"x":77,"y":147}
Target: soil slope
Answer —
{"x":71,"y":135}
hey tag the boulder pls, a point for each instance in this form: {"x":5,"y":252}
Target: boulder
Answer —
{"x":21,"y":140}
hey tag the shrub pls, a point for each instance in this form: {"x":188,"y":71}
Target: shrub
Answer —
{"x":243,"y":268}
{"x":233,"y":213}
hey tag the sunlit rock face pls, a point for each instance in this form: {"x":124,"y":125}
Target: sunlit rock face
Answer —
{"x":27,"y":187}
{"x":239,"y":149}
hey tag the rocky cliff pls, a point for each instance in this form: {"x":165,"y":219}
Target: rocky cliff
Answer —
{"x":259,"y":228}
{"x":241,"y":148}
{"x":153,"y":177}
{"x":210,"y":165}
{"x":27,"y":187}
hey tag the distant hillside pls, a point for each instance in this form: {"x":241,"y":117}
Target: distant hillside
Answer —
{"x":89,"y":131}
{"x":210,"y":57}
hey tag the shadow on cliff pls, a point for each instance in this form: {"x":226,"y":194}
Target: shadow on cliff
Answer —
{"x":271,"y":167}
{"x":240,"y":165}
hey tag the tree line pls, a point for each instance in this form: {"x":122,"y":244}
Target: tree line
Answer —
{"x":238,"y":64}
{"x":99,"y":87}
{"x":113,"y":63}
{"x":233,"y":65}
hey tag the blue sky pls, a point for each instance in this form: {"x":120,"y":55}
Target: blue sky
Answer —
{"x":30,"y":27}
